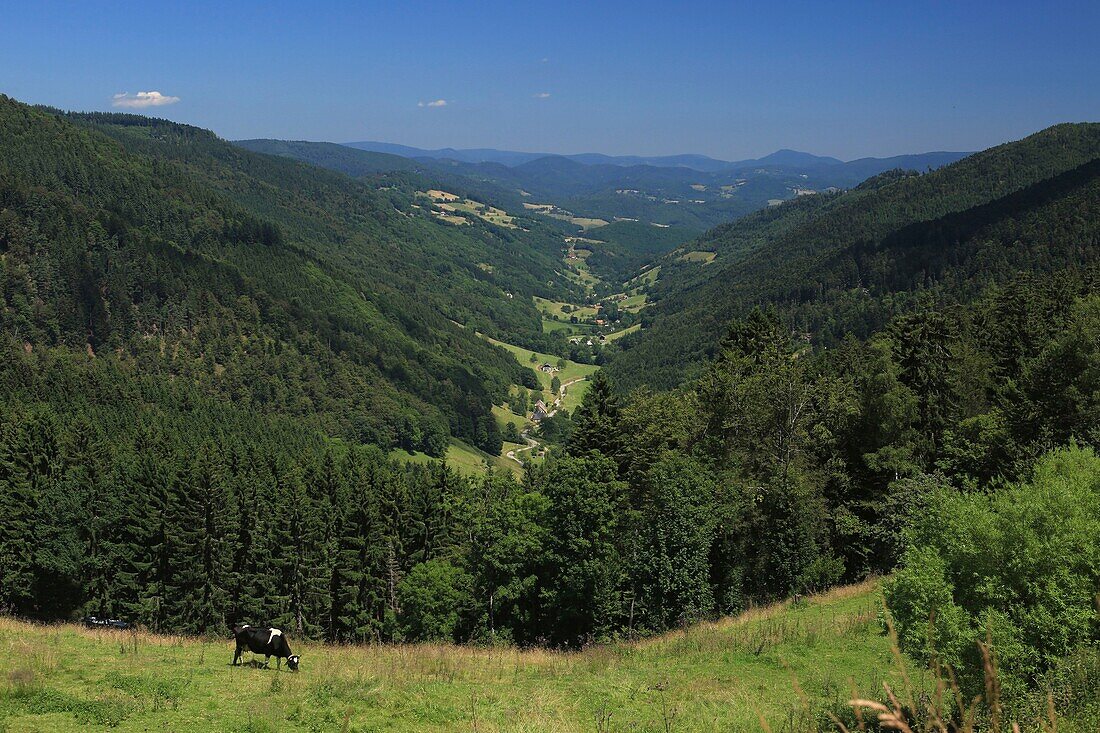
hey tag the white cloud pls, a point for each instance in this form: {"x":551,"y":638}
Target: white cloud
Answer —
{"x":542,"y":95}
{"x":142,"y":100}
{"x":436,"y":103}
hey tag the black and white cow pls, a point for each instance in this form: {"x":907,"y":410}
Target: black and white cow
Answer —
{"x":264,"y":640}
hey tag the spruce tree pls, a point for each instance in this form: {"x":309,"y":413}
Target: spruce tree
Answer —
{"x":201,"y":534}
{"x":597,"y":422}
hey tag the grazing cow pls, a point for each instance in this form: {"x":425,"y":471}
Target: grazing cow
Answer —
{"x":264,"y":640}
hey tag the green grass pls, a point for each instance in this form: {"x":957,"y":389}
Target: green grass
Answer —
{"x":619,"y":334}
{"x":405,"y":456}
{"x":490,"y":214}
{"x":504,"y":416}
{"x":569,"y":329}
{"x":449,"y":202}
{"x":721,"y":676}
{"x":574,"y":393}
{"x":646,"y":278}
{"x":468,"y":459}
{"x":582,"y":275}
{"x":556,"y":308}
{"x":587,"y":223}
{"x":462,"y":457}
{"x":572,"y":369}
{"x":513,"y":446}
{"x":698,"y":256}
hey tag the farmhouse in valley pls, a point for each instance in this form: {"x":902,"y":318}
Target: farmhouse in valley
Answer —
{"x":541,"y":411}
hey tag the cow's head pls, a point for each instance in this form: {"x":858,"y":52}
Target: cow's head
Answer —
{"x":292,"y":662}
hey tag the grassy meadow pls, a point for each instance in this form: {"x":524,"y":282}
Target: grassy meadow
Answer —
{"x":785,"y":664}
{"x":462,"y":457}
{"x":698,"y":256}
{"x":572,"y":370}
{"x":646,"y":278}
{"x":557,"y":308}
{"x":634,"y":303}
{"x":569,"y":329}
{"x":623,"y":332}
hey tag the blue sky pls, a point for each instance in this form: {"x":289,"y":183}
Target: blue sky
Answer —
{"x":727,"y":79}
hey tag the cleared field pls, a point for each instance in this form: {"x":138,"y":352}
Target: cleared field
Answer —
{"x":786,"y":664}
{"x":554,"y":212}
{"x":450,"y":218}
{"x":468,"y":459}
{"x":490,"y":214}
{"x":584,"y":222}
{"x":619,"y":334}
{"x":505,"y":416}
{"x":405,"y":456}
{"x":447,"y":205}
{"x":462,"y":457}
{"x":437,"y":195}
{"x":574,"y":395}
{"x":572,"y":369}
{"x":586,"y":274}
{"x":569,"y":329}
{"x":581,"y":275}
{"x":634,"y":302}
{"x":512,"y":447}
{"x":646,"y":278}
{"x":557,"y":308}
{"x":698,"y":256}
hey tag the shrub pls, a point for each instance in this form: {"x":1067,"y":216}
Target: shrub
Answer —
{"x":1019,"y":568}
{"x":435,"y":596}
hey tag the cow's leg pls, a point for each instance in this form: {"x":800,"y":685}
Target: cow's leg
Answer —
{"x":236,"y":655}
{"x":267,"y":661}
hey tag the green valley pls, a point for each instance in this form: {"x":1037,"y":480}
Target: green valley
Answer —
{"x":496,"y":440}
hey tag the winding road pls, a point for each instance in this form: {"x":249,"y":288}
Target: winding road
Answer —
{"x":531,"y":442}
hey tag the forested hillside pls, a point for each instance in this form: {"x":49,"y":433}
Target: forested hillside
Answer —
{"x":651,"y":208}
{"x":274,"y":285}
{"x":380,"y":167}
{"x":846,"y":263}
{"x":618,"y":248}
{"x":335,"y":157}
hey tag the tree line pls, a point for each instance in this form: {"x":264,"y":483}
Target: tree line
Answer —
{"x":781,"y":469}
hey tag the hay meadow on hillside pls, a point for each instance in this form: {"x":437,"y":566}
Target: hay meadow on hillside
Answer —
{"x":718,"y":676}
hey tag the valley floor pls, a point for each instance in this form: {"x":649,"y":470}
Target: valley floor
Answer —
{"x":722,"y":676}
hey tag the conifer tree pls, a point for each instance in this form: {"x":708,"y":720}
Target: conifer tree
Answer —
{"x":201,"y":535}
{"x":596,"y":423}
{"x":300,"y":551}
{"x":356,"y":606}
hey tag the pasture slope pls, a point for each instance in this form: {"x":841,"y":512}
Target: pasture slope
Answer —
{"x":720,"y":676}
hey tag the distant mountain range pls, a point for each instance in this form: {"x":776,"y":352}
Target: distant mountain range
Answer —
{"x":784,"y":158}
{"x":693,"y":192}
